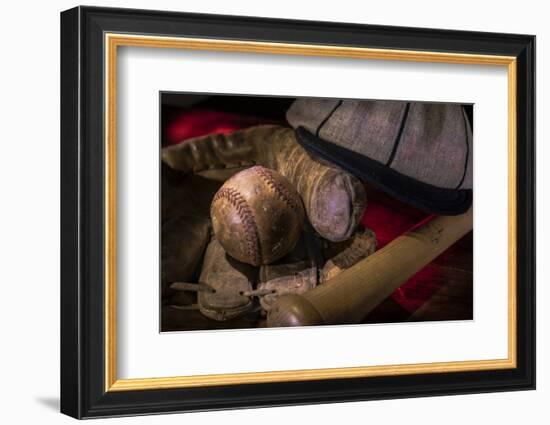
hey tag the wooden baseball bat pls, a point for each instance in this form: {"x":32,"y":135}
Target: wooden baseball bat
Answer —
{"x":351,"y":295}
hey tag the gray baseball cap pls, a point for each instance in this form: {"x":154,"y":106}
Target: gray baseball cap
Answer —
{"x":420,"y":153}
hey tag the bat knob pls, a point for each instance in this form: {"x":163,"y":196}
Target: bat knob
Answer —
{"x":293,"y":310}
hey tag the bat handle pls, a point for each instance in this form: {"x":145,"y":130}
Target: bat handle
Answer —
{"x":293,"y":310}
{"x":352,"y":294}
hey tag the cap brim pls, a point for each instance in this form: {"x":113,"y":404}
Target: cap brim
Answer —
{"x":432,"y":199}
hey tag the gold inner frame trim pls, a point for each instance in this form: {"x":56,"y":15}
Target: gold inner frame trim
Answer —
{"x":113,"y":41}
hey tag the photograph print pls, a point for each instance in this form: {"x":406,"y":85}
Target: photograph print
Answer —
{"x":279,"y":211}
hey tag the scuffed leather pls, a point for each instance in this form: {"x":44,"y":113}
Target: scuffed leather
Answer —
{"x":343,"y":255}
{"x":296,"y":273}
{"x":185,"y":225}
{"x":228,"y":280}
{"x":334,"y":200}
{"x":293,"y":278}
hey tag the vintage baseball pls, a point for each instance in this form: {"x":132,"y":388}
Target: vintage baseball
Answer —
{"x":257,"y":216}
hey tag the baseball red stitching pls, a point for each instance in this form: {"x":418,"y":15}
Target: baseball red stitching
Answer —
{"x":282,"y":191}
{"x":251,"y":233}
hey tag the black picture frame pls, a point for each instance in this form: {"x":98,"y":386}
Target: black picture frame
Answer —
{"x":83,"y":392}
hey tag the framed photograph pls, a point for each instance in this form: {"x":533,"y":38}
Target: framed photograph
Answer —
{"x":261,"y":212}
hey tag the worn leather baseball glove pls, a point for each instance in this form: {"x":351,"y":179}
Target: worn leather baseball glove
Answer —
{"x":228,"y":288}
{"x":193,"y":172}
{"x":224,"y":285}
{"x":334,"y":199}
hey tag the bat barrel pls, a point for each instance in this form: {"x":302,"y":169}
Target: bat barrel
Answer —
{"x":351,"y":295}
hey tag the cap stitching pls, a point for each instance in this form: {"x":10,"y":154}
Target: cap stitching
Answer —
{"x":467,"y":151}
{"x":399,"y":134}
{"x":322,"y":123}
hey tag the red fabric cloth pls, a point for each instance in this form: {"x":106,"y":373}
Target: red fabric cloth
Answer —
{"x":388,"y":222}
{"x":200,"y":122}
